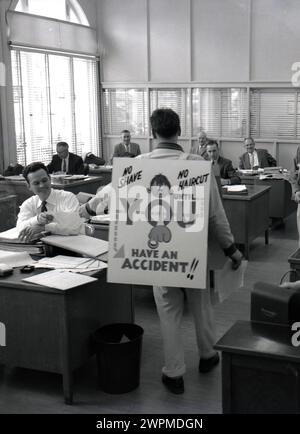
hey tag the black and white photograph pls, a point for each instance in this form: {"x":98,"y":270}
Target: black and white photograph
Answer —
{"x":150,"y":210}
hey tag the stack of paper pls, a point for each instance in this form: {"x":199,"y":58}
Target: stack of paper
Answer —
{"x":82,"y":244}
{"x":235,"y":189}
{"x":15,"y":259}
{"x":71,"y":263}
{"x":59,"y":279}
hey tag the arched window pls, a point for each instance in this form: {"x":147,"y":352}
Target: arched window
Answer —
{"x":67,"y":10}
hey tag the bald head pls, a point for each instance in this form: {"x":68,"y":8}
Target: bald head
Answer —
{"x":202,"y":139}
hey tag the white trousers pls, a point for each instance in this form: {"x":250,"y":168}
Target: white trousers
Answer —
{"x":170,"y":304}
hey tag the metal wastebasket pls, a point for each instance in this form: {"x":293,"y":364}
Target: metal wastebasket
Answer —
{"x":118,"y":349}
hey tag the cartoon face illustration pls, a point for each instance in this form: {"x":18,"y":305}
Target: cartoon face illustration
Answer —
{"x":159,"y":211}
{"x":160,"y":186}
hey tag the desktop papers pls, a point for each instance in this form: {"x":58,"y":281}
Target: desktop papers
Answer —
{"x":71,"y":263}
{"x":15,"y":259}
{"x":59,"y":279}
{"x":82,"y":244}
{"x":235,"y":188}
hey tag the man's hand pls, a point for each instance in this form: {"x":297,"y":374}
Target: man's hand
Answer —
{"x":291,"y":285}
{"x":83,"y":212}
{"x":236,"y":259}
{"x":297,"y":197}
{"x":44,"y":218}
{"x":31,"y":233}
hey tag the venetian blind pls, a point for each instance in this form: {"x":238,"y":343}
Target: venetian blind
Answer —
{"x":55,"y":99}
{"x":125,"y":109}
{"x":177,"y":100}
{"x":272,"y":113}
{"x":219,"y":112}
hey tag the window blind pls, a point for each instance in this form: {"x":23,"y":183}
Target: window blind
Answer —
{"x":272,"y":113}
{"x":125,"y":109}
{"x":219,"y":112}
{"x":55,"y":99}
{"x":177,"y":100}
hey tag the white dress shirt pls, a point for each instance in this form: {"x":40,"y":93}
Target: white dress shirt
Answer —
{"x":62,"y":204}
{"x":255,"y":159}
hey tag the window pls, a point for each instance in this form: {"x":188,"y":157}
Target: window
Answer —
{"x":54,"y":100}
{"x":125,"y":109}
{"x":219,"y":112}
{"x":176,"y":99}
{"x":274,"y":113}
{"x":67,"y":10}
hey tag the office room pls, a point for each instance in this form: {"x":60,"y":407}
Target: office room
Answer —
{"x":84,"y":83}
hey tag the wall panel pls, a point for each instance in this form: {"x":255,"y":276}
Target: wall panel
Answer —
{"x":169,"y":40}
{"x":122,"y":29}
{"x":220,"y":35}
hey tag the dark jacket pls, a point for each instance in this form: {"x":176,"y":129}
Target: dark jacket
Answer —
{"x":264,"y":159}
{"x":227,"y":171}
{"x":75,"y":164}
{"x":121,"y":151}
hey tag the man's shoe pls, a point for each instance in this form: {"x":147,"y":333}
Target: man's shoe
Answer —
{"x":174,"y":385}
{"x":206,"y":365}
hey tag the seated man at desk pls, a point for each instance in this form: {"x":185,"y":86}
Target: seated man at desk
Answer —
{"x":126,"y":148}
{"x":200,"y":148}
{"x":50,"y":210}
{"x":222,"y":167}
{"x":65,"y":162}
{"x":255,"y":158}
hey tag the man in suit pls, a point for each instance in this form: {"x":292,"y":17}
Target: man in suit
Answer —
{"x":65,"y":161}
{"x":255,"y":158}
{"x":200,"y":148}
{"x":126,"y":148}
{"x":222,"y":167}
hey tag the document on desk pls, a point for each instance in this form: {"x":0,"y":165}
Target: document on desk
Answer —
{"x":81,"y":244}
{"x":15,"y":259}
{"x":59,"y":279}
{"x":71,"y":263}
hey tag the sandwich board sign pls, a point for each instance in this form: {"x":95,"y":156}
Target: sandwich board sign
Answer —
{"x":159,"y":213}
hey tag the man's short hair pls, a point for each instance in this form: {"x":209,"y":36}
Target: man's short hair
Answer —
{"x":165,"y":122}
{"x":211,"y":142}
{"x":125,"y":131}
{"x":34,"y":167}
{"x":249,"y":138}
{"x":64,"y":144}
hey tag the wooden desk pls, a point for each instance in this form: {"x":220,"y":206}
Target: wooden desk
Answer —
{"x":260,"y":369}
{"x":17,"y":186}
{"x":248,"y":215}
{"x":50,"y":330}
{"x":280,"y":203}
{"x":105,"y":172}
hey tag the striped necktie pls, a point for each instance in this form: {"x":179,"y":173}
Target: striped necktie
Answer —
{"x":64,"y":167}
{"x":43,"y":207}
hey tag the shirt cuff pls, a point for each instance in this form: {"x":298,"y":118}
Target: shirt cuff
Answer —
{"x":229,"y":251}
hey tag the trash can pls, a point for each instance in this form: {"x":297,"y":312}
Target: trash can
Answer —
{"x":118,"y":349}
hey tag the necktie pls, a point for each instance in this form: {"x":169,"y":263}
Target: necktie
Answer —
{"x":43,"y":207}
{"x":251,"y":160}
{"x":64,"y":168}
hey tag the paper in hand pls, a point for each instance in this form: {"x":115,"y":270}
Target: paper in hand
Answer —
{"x":229,"y":280}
